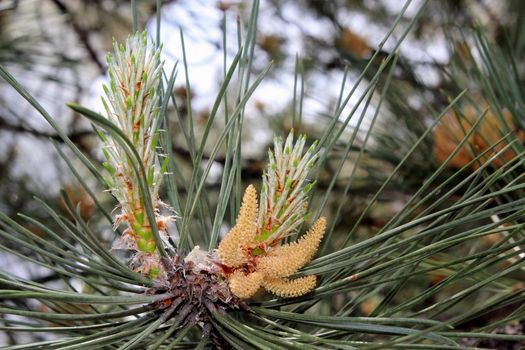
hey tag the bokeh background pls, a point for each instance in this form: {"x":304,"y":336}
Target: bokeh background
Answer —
{"x":56,"y":49}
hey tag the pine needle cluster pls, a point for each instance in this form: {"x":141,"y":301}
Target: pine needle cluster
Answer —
{"x":439,"y":265}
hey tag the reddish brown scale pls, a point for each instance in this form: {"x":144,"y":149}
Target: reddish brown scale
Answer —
{"x":123,"y":88}
{"x":268,"y":226}
{"x":226,"y":270}
{"x":146,"y":95}
{"x":269,"y":215}
{"x":129,"y":232}
{"x":129,"y":185}
{"x":279,"y":187}
{"x":275,"y":242}
{"x":136,"y":125}
{"x":164,"y":304}
{"x":249,"y":268}
{"x":251,"y":264}
{"x":162,"y":224}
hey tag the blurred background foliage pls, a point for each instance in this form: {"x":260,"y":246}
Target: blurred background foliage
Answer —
{"x":56,"y":49}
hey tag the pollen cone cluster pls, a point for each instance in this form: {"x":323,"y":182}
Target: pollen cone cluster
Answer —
{"x":231,"y":252}
{"x":251,"y":252}
{"x":492,"y":137}
{"x":285,"y":260}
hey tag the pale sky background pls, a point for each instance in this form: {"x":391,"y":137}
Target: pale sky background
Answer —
{"x":203,"y":39}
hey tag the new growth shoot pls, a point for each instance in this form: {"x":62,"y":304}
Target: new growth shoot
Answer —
{"x":252,"y":253}
{"x":131,"y":103}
